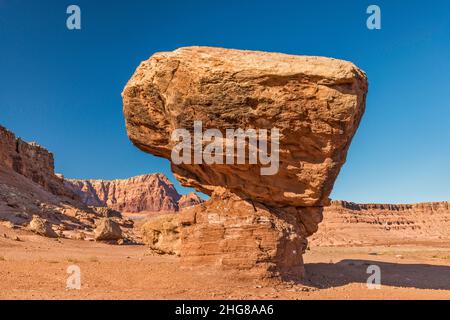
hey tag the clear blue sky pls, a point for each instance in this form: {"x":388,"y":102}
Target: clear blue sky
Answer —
{"x":62,"y":88}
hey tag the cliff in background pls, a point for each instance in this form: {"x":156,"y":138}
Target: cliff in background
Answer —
{"x":360,"y":224}
{"x":146,"y":193}
{"x":31,"y":161}
{"x":29,"y":187}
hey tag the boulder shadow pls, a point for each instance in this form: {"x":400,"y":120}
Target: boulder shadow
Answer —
{"x":420,"y":276}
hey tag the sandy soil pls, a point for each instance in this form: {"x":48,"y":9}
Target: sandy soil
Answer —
{"x":36,"y":268}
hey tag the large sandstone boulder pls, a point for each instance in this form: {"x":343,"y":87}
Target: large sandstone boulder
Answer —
{"x":316,"y":105}
{"x":315,"y":102}
{"x":42,"y":227}
{"x":107,"y":230}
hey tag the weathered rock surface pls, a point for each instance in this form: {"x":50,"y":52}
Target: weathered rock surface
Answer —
{"x":253,"y":222}
{"x":106,"y":230}
{"x":315,"y":102}
{"x":162,"y":234}
{"x":236,"y":234}
{"x":348,"y":223}
{"x":146,"y":193}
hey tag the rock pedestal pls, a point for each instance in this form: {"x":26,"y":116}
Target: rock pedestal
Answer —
{"x":230,"y":233}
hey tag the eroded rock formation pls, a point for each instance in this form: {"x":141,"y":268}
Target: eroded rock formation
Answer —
{"x":162,"y":234}
{"x":146,"y":193}
{"x":316,"y":104}
{"x":31,"y":161}
{"x":238,"y":234}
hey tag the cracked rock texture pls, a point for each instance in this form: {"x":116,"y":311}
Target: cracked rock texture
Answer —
{"x":315,"y":102}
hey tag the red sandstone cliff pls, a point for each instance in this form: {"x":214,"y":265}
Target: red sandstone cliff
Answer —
{"x":31,"y":161}
{"x":29,"y":187}
{"x":348,"y":223}
{"x":146,"y":193}
{"x":33,"y":197}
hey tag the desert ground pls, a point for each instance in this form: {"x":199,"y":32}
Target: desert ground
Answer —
{"x":34,"y":267}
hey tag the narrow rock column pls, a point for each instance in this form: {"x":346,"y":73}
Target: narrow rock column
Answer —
{"x":230,"y":233}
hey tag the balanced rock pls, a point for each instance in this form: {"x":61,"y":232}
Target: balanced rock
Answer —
{"x":305,"y":111}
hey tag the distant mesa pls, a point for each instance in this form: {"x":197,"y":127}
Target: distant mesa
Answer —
{"x":348,"y":223}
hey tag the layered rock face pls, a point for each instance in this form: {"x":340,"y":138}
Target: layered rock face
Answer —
{"x":315,"y":104}
{"x":32,"y":161}
{"x":348,"y":223}
{"x":146,"y":193}
{"x":33,"y":197}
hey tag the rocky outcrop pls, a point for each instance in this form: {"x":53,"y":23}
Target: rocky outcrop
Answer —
{"x":146,"y":193}
{"x":162,"y":234}
{"x":348,"y":223}
{"x":315,"y":104}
